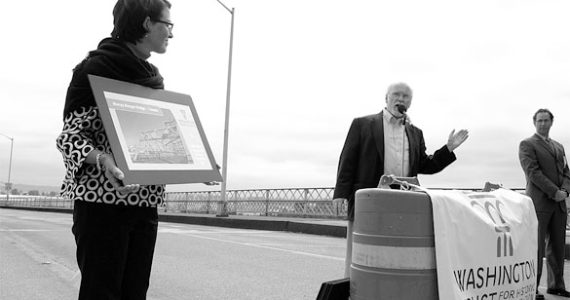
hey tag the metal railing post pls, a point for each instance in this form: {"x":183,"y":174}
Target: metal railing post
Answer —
{"x":267,"y":202}
{"x":306,"y":201}
{"x":186,"y":202}
{"x":208,"y":199}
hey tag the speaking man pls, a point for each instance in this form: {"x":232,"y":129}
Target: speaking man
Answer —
{"x":548,"y":182}
{"x":386,"y":143}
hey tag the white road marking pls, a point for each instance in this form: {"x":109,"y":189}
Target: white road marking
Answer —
{"x":270,"y":248}
{"x":184,"y":231}
{"x":201,"y":234}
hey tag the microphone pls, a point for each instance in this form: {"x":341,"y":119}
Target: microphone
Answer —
{"x":401,"y":108}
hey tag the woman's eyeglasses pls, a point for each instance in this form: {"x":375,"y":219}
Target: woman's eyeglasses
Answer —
{"x":169,"y":25}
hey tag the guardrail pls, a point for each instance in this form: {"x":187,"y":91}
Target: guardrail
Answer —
{"x":293,"y":202}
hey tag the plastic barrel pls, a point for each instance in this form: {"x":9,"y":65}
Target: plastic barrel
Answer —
{"x":393,"y":247}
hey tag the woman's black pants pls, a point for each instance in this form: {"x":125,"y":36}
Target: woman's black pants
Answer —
{"x":115,"y":247}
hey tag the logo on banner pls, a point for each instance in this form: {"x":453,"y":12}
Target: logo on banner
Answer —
{"x":502,"y":227}
{"x":484,"y":264}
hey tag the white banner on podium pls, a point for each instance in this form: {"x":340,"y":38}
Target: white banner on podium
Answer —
{"x":486,"y":245}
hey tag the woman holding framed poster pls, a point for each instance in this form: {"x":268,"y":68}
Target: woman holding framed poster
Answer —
{"x":115,"y":225}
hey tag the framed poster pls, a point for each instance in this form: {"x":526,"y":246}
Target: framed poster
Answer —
{"x":155,"y":135}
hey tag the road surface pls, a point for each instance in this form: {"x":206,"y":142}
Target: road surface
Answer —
{"x":37,"y":261}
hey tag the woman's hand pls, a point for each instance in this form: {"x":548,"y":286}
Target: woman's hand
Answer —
{"x":115,"y":175}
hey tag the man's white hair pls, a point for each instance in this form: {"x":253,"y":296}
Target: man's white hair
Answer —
{"x":397,"y":84}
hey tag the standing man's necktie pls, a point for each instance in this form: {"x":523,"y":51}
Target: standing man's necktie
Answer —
{"x":551,"y":145}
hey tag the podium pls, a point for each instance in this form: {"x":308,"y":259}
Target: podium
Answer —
{"x":393,"y":249}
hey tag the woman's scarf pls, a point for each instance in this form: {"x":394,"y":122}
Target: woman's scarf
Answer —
{"x":112,"y":59}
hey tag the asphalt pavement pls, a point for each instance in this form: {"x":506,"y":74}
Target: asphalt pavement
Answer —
{"x":37,"y":261}
{"x":322,"y":227}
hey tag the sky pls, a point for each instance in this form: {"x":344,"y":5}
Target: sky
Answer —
{"x":302,"y":71}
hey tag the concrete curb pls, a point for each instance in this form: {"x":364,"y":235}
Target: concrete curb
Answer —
{"x":44,"y":209}
{"x":273,"y":224}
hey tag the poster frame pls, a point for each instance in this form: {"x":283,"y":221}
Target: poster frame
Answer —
{"x":198,"y":164}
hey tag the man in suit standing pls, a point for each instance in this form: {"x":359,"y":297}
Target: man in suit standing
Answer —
{"x":548,"y":182}
{"x":386,"y":143}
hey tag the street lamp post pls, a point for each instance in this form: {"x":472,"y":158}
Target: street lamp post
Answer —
{"x":223,"y":212}
{"x":8,"y":184}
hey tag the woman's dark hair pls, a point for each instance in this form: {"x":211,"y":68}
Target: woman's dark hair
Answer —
{"x":129,"y":16}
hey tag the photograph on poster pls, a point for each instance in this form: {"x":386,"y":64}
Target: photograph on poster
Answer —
{"x":155,"y":132}
{"x":155,"y":141}
{"x":157,"y":135}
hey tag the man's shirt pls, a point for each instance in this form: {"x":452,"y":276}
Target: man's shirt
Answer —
{"x":396,"y":146}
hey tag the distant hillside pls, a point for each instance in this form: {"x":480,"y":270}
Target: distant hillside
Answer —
{"x":25,"y":188}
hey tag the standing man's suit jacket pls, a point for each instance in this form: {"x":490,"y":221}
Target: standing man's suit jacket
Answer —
{"x":361,"y":161}
{"x":546,"y":172}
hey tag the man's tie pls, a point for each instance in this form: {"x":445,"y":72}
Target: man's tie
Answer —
{"x":551,"y":145}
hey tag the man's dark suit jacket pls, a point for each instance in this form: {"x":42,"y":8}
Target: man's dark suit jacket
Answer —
{"x":546,"y":172}
{"x":361,"y":161}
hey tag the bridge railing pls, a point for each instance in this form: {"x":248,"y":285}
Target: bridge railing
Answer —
{"x":35,"y":201}
{"x":292,"y":202}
